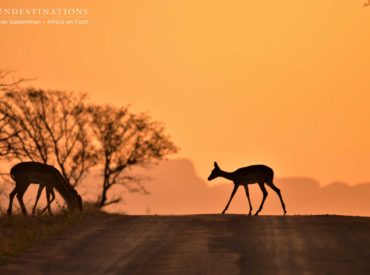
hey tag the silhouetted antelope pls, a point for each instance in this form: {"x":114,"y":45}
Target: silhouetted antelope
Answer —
{"x":47,"y":176}
{"x":259,"y":174}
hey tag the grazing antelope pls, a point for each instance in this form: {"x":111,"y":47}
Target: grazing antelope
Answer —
{"x":259,"y":174}
{"x":47,"y":176}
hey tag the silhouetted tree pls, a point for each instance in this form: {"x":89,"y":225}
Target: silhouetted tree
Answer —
{"x":126,"y":140}
{"x":7,"y":84}
{"x":50,"y":127}
{"x":4,"y":137}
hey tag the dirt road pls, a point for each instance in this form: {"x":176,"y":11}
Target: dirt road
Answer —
{"x":204,"y":244}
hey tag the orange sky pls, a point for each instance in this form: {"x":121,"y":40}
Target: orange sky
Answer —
{"x":285,"y":83}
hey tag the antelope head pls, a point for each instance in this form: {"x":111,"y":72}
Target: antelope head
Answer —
{"x":76,"y":201}
{"x":215,"y":172}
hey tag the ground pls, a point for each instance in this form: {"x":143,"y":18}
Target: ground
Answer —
{"x":203,"y":244}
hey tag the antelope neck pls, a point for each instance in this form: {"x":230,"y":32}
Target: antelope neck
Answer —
{"x":226,"y":175}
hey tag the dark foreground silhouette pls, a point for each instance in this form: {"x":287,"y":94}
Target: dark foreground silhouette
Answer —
{"x":47,"y":176}
{"x":204,"y":244}
{"x":260,"y":174}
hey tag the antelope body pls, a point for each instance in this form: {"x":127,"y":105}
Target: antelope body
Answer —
{"x":260,"y":174}
{"x":47,"y":176}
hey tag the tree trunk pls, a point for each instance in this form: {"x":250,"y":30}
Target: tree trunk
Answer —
{"x":103,"y":198}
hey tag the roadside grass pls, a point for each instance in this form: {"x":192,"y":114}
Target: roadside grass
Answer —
{"x":18,"y":232}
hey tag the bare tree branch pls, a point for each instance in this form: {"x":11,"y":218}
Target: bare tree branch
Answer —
{"x":50,"y":127}
{"x":4,"y":133}
{"x":112,"y":202}
{"x":10,"y":84}
{"x":126,"y":140}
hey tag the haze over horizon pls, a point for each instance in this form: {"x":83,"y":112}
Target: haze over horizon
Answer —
{"x":281,"y":83}
{"x":175,"y":188}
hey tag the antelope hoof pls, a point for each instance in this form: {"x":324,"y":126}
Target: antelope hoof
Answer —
{"x":256,"y":214}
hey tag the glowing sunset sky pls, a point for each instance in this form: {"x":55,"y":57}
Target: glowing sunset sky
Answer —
{"x":285,"y":83}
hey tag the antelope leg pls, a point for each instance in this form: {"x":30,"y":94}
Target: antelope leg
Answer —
{"x":264,"y":191}
{"x":39,"y":191}
{"x":11,"y":197}
{"x":249,"y":200}
{"x":231,"y":197}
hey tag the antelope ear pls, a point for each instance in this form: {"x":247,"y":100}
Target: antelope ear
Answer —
{"x":216,"y":165}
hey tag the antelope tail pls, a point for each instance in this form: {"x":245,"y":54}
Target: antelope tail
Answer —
{"x":12,"y":174}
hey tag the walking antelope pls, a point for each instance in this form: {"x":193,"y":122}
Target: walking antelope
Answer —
{"x":259,"y":174}
{"x":46,"y":176}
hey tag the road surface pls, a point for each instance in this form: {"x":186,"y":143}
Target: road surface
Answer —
{"x":204,"y":244}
